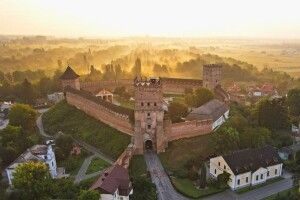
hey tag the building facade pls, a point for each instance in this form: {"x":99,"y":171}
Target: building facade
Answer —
{"x":37,"y":153}
{"x":247,"y":167}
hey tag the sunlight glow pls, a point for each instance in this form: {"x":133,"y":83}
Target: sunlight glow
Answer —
{"x":169,"y":18}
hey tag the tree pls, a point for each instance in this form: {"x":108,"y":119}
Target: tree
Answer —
{"x":226,"y":139}
{"x":88,"y":195}
{"x":33,"y":180}
{"x":272,"y":114}
{"x":255,"y":137}
{"x":199,"y":97}
{"x":143,"y":189}
{"x":65,"y":144}
{"x":177,"y":111}
{"x":26,"y":92}
{"x":202,"y":180}
{"x":293,"y":101}
{"x":223,"y":179}
{"x":137,"y":68}
{"x":24,"y":116}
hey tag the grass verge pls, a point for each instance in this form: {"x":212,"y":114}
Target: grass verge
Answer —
{"x":96,"y":165}
{"x":66,"y":118}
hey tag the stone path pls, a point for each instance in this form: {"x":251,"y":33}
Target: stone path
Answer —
{"x":159,"y":177}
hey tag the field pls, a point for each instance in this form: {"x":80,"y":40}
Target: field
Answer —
{"x":180,"y":151}
{"x":137,"y":167}
{"x":69,"y":120}
{"x":96,"y":165}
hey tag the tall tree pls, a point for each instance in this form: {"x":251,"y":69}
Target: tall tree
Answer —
{"x":177,"y":111}
{"x":272,"y":114}
{"x":293,"y":100}
{"x":88,"y":195}
{"x":23,"y":115}
{"x":225,"y":140}
{"x":33,"y":180}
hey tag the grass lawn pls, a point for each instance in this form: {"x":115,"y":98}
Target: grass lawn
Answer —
{"x":96,"y":165}
{"x":66,"y":118}
{"x":186,"y":187}
{"x":138,"y":166}
{"x":247,"y":189}
{"x":73,"y":163}
{"x":183,"y":150}
{"x":124,"y":103}
{"x":279,"y":194}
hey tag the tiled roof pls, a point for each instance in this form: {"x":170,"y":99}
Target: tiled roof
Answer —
{"x":115,"y":177}
{"x":246,"y":160}
{"x":31,"y":154}
{"x":213,"y":109}
{"x":106,"y":104}
{"x":69,"y":74}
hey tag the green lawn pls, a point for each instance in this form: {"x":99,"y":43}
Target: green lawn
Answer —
{"x":247,"y":189}
{"x":186,"y":187}
{"x":96,"y":165}
{"x":124,"y":103}
{"x":138,"y":166}
{"x":73,"y":163}
{"x":66,"y":118}
{"x":183,"y":150}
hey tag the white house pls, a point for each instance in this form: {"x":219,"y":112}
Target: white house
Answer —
{"x":114,"y":184}
{"x":56,"y":97}
{"x":247,"y":167}
{"x":39,"y":153}
{"x":214,"y":109}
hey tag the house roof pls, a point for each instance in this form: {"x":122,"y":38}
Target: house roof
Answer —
{"x":32,"y":154}
{"x":213,"y":109}
{"x":103,"y":92}
{"x":106,"y":104}
{"x":115,"y":177}
{"x":246,"y":160}
{"x":69,"y":74}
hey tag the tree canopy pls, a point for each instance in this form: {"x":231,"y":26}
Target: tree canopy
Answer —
{"x":177,"y":111}
{"x":198,"y":97}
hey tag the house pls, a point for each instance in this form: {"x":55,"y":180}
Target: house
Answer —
{"x":37,"y":153}
{"x":215,"y":109}
{"x":114,"y":184}
{"x":248,"y":166}
{"x":105,"y":95}
{"x":56,"y":97}
{"x":5,"y":108}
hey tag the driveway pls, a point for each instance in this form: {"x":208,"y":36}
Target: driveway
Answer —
{"x":159,"y":177}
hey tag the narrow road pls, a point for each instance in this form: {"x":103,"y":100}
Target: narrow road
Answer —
{"x":159,"y":177}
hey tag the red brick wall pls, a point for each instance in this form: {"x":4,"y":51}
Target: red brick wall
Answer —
{"x":115,"y":120}
{"x":188,"y":129}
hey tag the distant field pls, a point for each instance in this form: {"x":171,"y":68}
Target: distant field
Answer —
{"x":66,"y":118}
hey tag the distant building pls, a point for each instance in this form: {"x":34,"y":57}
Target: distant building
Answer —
{"x":216,"y":110}
{"x":247,"y":167}
{"x":56,"y":97}
{"x":105,"y":95}
{"x":38,"y":153}
{"x":114,"y":184}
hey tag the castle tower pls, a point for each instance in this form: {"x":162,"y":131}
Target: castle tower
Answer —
{"x":70,"y":78}
{"x":149,"y":116}
{"x":211,"y":76}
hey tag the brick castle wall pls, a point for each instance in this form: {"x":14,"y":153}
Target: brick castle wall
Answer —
{"x":113,"y":119}
{"x":188,"y":129}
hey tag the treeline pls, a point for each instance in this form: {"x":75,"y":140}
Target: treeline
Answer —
{"x":30,"y":86}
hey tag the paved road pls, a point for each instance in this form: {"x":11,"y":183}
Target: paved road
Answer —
{"x":159,"y":177}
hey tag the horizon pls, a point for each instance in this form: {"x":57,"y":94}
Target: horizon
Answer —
{"x":167,"y":19}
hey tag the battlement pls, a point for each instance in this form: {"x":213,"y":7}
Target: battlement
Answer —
{"x":150,"y":82}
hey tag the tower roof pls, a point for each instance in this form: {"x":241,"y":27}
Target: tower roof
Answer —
{"x":69,"y":74}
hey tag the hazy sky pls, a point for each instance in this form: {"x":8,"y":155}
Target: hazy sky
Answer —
{"x":175,"y":18}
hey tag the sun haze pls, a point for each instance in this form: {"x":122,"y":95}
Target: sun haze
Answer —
{"x":175,"y":18}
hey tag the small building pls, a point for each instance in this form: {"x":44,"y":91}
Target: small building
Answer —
{"x":105,"y":95}
{"x":56,"y":97}
{"x":214,"y":109}
{"x":114,"y":184}
{"x":37,"y":153}
{"x":248,"y":166}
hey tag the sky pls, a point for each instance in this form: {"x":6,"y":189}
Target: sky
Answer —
{"x":162,"y":18}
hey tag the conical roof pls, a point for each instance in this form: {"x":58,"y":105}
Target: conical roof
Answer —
{"x":69,"y":74}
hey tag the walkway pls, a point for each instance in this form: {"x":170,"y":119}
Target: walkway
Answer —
{"x":159,"y":177}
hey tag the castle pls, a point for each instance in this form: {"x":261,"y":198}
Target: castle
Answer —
{"x":148,"y":125}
